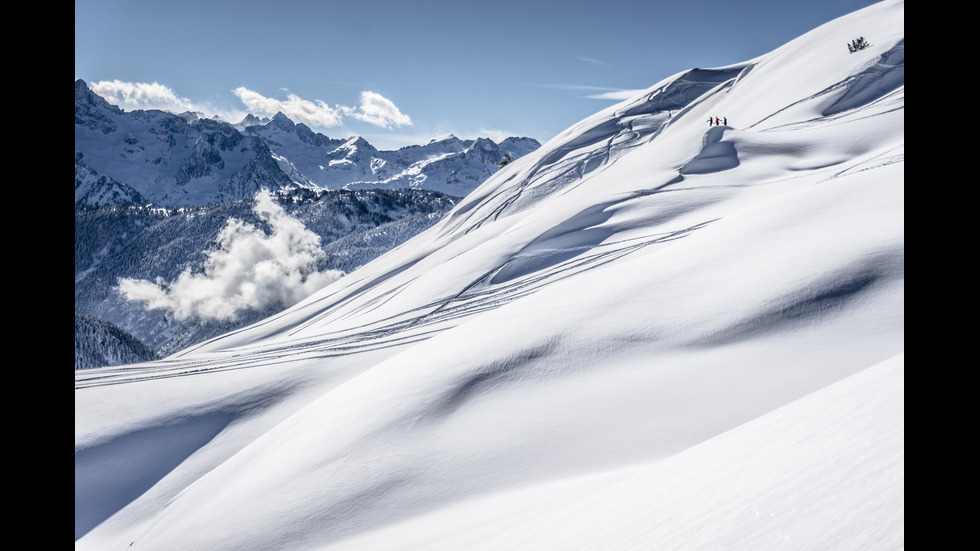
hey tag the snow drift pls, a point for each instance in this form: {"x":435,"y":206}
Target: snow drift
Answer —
{"x":650,"y":333}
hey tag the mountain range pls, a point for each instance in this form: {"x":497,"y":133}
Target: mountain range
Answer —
{"x":679,"y":324}
{"x":153,"y":191}
{"x":170,"y":160}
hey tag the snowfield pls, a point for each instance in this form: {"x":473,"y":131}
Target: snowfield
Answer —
{"x":651,"y":333}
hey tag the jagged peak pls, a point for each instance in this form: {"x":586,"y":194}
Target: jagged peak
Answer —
{"x":484,"y":143}
{"x":520,"y":139}
{"x":280,"y":120}
{"x":252,"y":120}
{"x":356,"y":141}
{"x":443,"y":139}
{"x":85,"y":95}
{"x":191,"y":116}
{"x":82,"y":90}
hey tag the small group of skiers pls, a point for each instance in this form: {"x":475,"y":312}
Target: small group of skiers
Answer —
{"x":718,"y":122}
{"x":857,"y":44}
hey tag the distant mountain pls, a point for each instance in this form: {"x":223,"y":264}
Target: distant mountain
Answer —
{"x":450,"y":165}
{"x":157,"y":157}
{"x":170,"y":160}
{"x":92,"y":188}
{"x":198,"y":173}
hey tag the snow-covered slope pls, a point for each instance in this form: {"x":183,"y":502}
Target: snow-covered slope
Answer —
{"x":650,"y":333}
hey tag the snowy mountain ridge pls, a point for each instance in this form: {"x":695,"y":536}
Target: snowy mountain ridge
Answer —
{"x":156,"y":157}
{"x":449,"y":165}
{"x":655,"y":331}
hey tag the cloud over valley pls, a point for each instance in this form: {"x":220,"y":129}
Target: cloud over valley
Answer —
{"x":250,"y":269}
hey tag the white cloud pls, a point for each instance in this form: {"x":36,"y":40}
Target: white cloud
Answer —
{"x":140,"y":95}
{"x":249,"y":270}
{"x":373,"y":108}
{"x":378,"y":110}
{"x":313,"y":113}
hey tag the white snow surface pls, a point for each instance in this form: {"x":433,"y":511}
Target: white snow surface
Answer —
{"x":648,"y":334}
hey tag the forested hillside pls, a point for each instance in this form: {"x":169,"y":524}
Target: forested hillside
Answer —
{"x":159,"y":244}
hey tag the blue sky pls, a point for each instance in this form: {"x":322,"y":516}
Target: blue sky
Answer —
{"x":401,"y":73}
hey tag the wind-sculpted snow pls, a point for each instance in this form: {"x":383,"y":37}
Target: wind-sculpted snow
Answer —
{"x":882,"y":78}
{"x":647,"y":318}
{"x":715,"y":155}
{"x":584,"y":149}
{"x":540,"y":264}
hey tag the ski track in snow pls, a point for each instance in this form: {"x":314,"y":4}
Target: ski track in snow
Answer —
{"x":408,"y":327}
{"x":603,"y":144}
{"x":571,"y":163}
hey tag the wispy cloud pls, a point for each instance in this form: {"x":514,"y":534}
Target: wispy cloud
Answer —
{"x":616,"y":95}
{"x":140,"y":95}
{"x":591,"y":60}
{"x":601,"y":92}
